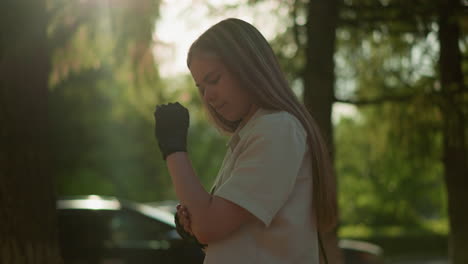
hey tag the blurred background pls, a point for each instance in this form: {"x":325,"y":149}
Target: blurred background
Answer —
{"x":385,"y":79}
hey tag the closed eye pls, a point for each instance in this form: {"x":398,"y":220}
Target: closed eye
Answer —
{"x":210,"y":82}
{"x":214,"y":81}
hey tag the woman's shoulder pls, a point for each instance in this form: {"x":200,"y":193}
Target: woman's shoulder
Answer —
{"x":277,"y":121}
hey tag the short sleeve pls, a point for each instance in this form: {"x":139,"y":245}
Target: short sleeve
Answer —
{"x":264,"y":173}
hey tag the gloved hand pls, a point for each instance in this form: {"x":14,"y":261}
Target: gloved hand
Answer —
{"x":186,"y":235}
{"x":171,"y":127}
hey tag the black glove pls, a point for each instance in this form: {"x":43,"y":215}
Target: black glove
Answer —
{"x":171,"y":127}
{"x":186,"y":235}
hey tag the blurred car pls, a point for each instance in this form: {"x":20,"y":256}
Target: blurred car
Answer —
{"x":97,"y":229}
{"x":167,"y":205}
{"x":360,"y":252}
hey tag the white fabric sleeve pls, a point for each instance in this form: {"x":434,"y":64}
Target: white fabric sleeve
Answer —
{"x":265,"y":171}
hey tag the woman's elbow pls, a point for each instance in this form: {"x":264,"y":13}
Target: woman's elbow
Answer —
{"x":208,"y":234}
{"x":202,"y":236}
{"x":203,"y":240}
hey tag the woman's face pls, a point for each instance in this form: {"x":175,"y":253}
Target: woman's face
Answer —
{"x":220,"y":88}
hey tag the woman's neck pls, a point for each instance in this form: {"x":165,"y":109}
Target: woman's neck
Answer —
{"x":253,"y":108}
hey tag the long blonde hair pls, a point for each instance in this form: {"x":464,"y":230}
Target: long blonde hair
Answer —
{"x":249,"y":57}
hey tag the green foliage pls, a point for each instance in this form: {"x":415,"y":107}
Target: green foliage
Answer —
{"x":388,"y":158}
{"x":385,"y":179}
{"x":104,"y":85}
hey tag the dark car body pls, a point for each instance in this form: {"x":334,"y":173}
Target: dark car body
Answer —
{"x":360,"y":252}
{"x":107,"y":230}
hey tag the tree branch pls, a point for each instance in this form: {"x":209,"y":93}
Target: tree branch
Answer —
{"x":398,"y":98}
{"x":374,"y":101}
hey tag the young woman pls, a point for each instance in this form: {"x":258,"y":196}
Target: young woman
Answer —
{"x":274,"y":193}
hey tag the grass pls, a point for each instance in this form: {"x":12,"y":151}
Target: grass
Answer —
{"x":427,"y":239}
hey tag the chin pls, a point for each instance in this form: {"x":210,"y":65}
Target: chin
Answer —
{"x":231,"y":118}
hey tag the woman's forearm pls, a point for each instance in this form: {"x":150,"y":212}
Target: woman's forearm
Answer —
{"x":189,"y":190}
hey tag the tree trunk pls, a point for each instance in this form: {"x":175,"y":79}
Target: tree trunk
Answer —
{"x":28,"y":232}
{"x":454,"y":130}
{"x":319,"y":82}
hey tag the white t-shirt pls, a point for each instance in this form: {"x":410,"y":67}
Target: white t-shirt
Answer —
{"x":267,"y":171}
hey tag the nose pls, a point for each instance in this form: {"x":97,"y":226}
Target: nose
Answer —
{"x":209,"y":95}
